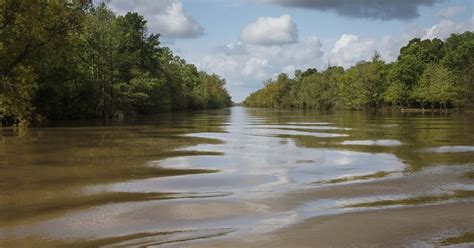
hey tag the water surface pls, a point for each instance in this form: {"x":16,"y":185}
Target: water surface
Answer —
{"x":240,"y":177}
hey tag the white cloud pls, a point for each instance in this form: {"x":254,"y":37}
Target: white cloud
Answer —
{"x":246,"y":66}
{"x":166,"y":17}
{"x":270,"y":31}
{"x":270,"y":46}
{"x":350,"y":49}
{"x":444,"y":29}
{"x":256,"y":67}
{"x":389,"y":47}
{"x":441,"y":30}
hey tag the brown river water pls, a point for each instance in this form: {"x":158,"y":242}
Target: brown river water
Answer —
{"x":241,"y":177}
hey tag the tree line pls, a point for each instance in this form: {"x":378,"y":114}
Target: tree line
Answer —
{"x":75,"y":60}
{"x":427,"y":74}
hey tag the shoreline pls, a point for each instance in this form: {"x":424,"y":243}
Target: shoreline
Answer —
{"x":469,"y":109}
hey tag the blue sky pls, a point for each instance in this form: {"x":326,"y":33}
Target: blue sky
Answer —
{"x":249,"y":41}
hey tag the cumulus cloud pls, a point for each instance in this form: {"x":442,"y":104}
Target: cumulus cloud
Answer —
{"x":256,"y":67}
{"x":166,"y":17}
{"x":246,"y":66}
{"x":350,"y":49}
{"x":270,"y":31}
{"x":442,"y":30}
{"x":375,"y":9}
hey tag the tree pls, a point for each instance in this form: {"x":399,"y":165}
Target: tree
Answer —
{"x":363,"y":85}
{"x":396,"y":93}
{"x":29,"y":31}
{"x":427,"y":71}
{"x":74,"y":60}
{"x":18,"y":91}
{"x":412,"y":61}
{"x":211,"y":93}
{"x":439,"y":86}
{"x":459,"y":58}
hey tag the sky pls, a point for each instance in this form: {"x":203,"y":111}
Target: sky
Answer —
{"x":249,"y":41}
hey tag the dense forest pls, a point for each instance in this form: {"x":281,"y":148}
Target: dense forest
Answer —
{"x":77,"y":60}
{"x":429,"y":74}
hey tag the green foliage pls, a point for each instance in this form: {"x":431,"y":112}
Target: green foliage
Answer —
{"x":143,"y":94}
{"x":352,"y":93}
{"x":318,"y":93}
{"x":396,"y":93}
{"x":427,"y":71}
{"x":309,"y":89}
{"x":363,"y":85}
{"x":459,"y":58}
{"x":29,"y":32}
{"x":439,"y":86}
{"x":17,"y":92}
{"x":210,"y":92}
{"x":74,"y":60}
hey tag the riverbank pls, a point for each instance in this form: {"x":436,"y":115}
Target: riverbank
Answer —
{"x":469,"y":109}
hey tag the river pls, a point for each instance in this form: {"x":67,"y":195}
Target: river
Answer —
{"x":240,"y":177}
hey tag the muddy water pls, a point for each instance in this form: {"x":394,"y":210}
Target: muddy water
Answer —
{"x":241,"y":177}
